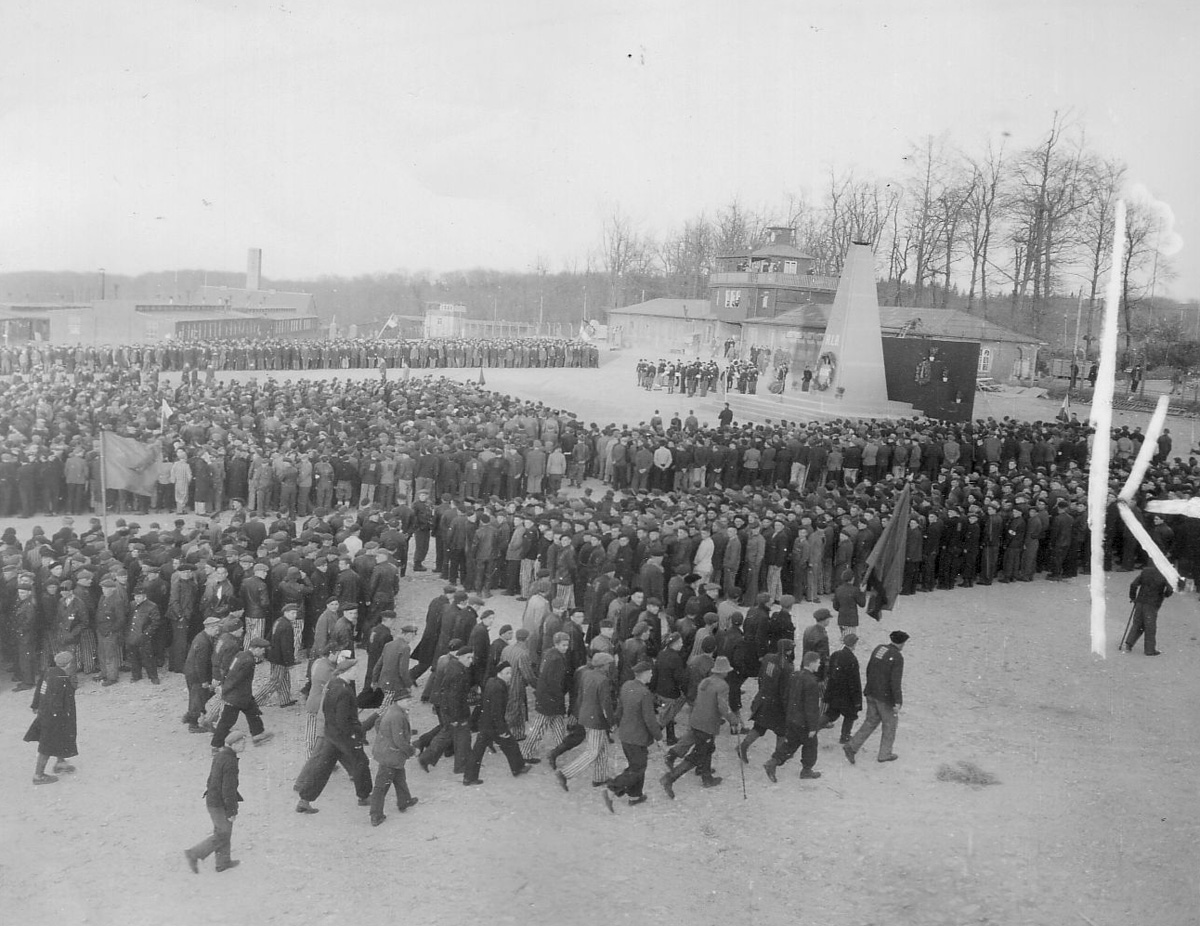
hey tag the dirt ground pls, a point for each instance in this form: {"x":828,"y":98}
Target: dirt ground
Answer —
{"x":1094,"y":819}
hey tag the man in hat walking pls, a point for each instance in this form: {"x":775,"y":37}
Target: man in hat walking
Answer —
{"x":221,"y":798}
{"x":885,"y":672}
{"x":803,"y":719}
{"x":843,"y":688}
{"x":637,"y":728}
{"x":54,"y":729}
{"x":393,"y":748}
{"x":281,"y":654}
{"x":708,"y":713}
{"x":493,"y":728}
{"x":237,"y":694}
{"x":343,"y":739}
{"x":198,"y":673}
{"x":594,"y":711}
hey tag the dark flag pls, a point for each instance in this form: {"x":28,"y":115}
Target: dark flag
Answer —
{"x":885,"y":565}
{"x":129,"y":464}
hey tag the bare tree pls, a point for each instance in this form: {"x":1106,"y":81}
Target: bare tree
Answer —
{"x":623,"y":253}
{"x":982,"y":214}
{"x":1104,"y":181}
{"x":686,"y":257}
{"x":1142,"y":264}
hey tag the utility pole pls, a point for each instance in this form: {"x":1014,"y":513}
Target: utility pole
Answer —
{"x":101,"y":284}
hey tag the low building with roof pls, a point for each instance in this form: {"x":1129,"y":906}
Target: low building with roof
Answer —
{"x":669,"y":325}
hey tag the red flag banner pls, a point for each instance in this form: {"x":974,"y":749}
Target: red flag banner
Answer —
{"x":885,"y":565}
{"x":129,"y":464}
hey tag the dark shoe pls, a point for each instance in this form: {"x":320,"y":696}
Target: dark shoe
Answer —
{"x":532,"y":761}
{"x":892,"y":758}
{"x":364,"y":802}
{"x":193,"y":862}
{"x":521,"y":771}
{"x":608,"y":800}
{"x":562,"y":781}
{"x":1124,"y":649}
{"x":63,"y":768}
{"x":769,"y":768}
{"x":156,"y":681}
{"x":634,"y":801}
{"x":667,"y":785}
{"x":599,"y":784}
{"x":843,"y":740}
{"x":288,"y":703}
{"x":809,"y":773}
{"x":375,"y":821}
{"x":424,"y":765}
{"x":107,"y":684}
{"x":1155,"y":653}
{"x":671,"y":759}
{"x":849,"y":753}
{"x":265,"y":737}
{"x":472,"y":781}
{"x":409,"y":803}
{"x":232,"y":863}
{"x":306,"y":808}
{"x":44,"y":779}
{"x":711,"y":781}
{"x":195,"y":728}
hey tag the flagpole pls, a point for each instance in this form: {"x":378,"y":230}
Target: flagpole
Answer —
{"x":103,"y":489}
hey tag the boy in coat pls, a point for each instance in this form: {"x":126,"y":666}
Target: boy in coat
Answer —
{"x":843,"y":688}
{"x":221,"y":797}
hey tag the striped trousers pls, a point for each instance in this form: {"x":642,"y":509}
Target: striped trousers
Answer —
{"x":554,"y":725}
{"x":564,"y":597}
{"x":255,"y":627}
{"x":528,"y":573}
{"x":215,"y":705}
{"x":312,"y":733}
{"x":595,"y":754}
{"x":389,"y":697}
{"x":278,"y":682}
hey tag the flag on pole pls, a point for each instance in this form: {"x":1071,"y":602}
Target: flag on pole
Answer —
{"x":885,"y":565}
{"x":165,"y":411}
{"x":129,"y":464}
{"x":392,"y":322}
{"x":1064,"y":413}
{"x":482,"y":382}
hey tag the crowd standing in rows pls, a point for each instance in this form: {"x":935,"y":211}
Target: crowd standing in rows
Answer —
{"x":648,"y":607}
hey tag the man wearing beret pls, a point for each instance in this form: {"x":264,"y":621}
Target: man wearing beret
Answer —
{"x":885,"y":672}
{"x":198,"y":672}
{"x":637,"y":728}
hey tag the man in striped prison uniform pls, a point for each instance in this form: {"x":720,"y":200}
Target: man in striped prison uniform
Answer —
{"x":550,"y":699}
{"x":595,"y":704}
{"x":281,"y":655}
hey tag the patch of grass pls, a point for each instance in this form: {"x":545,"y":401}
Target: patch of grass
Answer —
{"x":967,"y":773}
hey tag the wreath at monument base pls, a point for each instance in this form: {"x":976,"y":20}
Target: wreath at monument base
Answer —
{"x":826,"y":371}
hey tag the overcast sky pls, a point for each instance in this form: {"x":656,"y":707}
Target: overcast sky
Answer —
{"x":357,"y":137}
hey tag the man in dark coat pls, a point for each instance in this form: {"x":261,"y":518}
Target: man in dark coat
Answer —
{"x":139,"y":637}
{"x":1147,"y":593}
{"x":237,"y":694}
{"x":637,"y":728}
{"x":670,"y":684}
{"x":423,"y":655}
{"x":803,"y":719}
{"x":884,"y":694}
{"x":221,"y":798}
{"x":768,"y":710}
{"x":493,"y":728}
{"x":198,"y":673}
{"x":454,"y":713}
{"x":342,"y":741}
{"x":843,"y":688}
{"x":55,"y":729}
{"x":550,"y":698}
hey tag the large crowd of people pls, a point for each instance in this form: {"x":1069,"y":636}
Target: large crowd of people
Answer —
{"x":290,"y":354}
{"x":652,"y":596}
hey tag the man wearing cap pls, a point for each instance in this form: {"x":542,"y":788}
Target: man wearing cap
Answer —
{"x":139,"y":645}
{"x":237,"y":695}
{"x":594,"y":711}
{"x":493,"y":728}
{"x":183,"y":607}
{"x":709,"y":712}
{"x":392,"y":673}
{"x":637,"y":728}
{"x":256,"y":601}
{"x":341,"y":741}
{"x":71,"y":620}
{"x":198,"y":673}
{"x":453,"y":711}
{"x":25,"y":625}
{"x":550,"y":697}
{"x":843,"y":688}
{"x":111,"y":616}
{"x":54,"y":729}
{"x":885,"y":672}
{"x":221,"y":798}
{"x":816,"y":639}
{"x":281,"y":655}
{"x":393,"y":748}
{"x":802,"y":719}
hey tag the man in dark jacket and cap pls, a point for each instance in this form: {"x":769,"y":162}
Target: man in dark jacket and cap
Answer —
{"x":54,"y":729}
{"x":843,"y":688}
{"x":885,"y":674}
{"x":237,"y":693}
{"x":221,"y":798}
